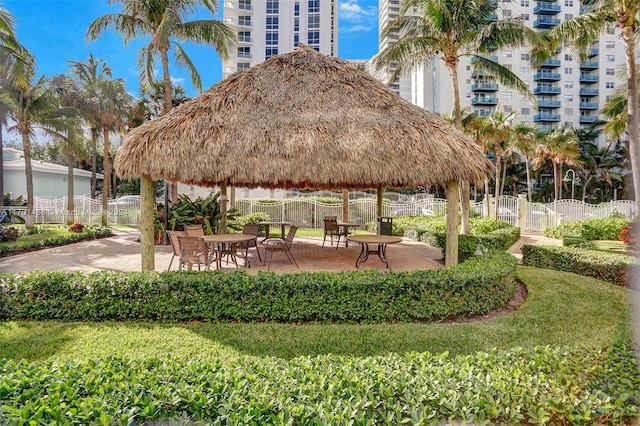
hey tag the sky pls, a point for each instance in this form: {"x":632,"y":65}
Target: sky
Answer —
{"x":54,"y":32}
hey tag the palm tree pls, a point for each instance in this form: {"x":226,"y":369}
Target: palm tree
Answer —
{"x":524,"y":138}
{"x":29,"y":105}
{"x":114,"y":105}
{"x":584,"y":29}
{"x":89,"y":73}
{"x":497,"y":131}
{"x":560,"y":146}
{"x":599,"y":163}
{"x":450,"y":30}
{"x":164,"y":22}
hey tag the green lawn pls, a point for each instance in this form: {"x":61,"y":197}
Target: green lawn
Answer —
{"x":561,"y":309}
{"x":608,"y":245}
{"x":55,"y":231}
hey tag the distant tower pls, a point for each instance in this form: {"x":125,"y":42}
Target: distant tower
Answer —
{"x":270,"y":27}
{"x":388,"y":10}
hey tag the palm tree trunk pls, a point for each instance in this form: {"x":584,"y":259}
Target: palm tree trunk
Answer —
{"x":556,"y":182}
{"x":70,"y":208}
{"x":504,"y":177}
{"x":166,"y":82}
{"x":497,"y":190}
{"x":23,"y":120}
{"x":526,"y":165}
{"x":584,"y":188}
{"x":94,"y":161}
{"x":1,"y":171}
{"x":107,"y":173}
{"x":465,"y":190}
{"x":628,"y":35}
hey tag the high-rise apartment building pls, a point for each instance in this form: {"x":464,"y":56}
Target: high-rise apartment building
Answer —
{"x":569,"y":91}
{"x":270,"y":27}
{"x":388,"y":10}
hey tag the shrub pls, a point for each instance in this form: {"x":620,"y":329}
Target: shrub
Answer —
{"x":475,"y":287}
{"x":569,"y":241}
{"x":590,"y":229}
{"x":610,"y":267}
{"x":8,"y":233}
{"x":76,"y":227}
{"x":540,"y":385}
{"x":252,"y":218}
{"x":89,"y":233}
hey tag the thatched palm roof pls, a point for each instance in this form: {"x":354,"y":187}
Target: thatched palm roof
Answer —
{"x":299,"y":120}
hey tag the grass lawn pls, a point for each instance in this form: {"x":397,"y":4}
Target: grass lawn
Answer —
{"x":609,"y":245}
{"x":55,"y":231}
{"x":561,"y":309}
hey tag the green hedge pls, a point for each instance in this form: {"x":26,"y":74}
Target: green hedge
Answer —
{"x":472,"y":288}
{"x":610,"y":267}
{"x":535,"y":386}
{"x":590,"y":229}
{"x":500,"y":240}
{"x":87,"y":234}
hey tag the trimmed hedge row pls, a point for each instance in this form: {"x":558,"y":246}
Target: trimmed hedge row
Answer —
{"x":87,"y":234}
{"x":610,"y":267}
{"x":475,"y":287}
{"x":590,"y":229}
{"x":538,"y":386}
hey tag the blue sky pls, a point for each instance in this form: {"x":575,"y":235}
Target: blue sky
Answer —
{"x":53,"y":30}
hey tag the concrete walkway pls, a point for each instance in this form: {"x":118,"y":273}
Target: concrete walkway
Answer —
{"x":531,"y":237}
{"x":122,"y":253}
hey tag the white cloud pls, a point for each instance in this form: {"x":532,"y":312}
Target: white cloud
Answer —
{"x":353,"y":12}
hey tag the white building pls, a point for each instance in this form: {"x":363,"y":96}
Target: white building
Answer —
{"x":49,"y":180}
{"x":270,"y":27}
{"x":388,"y":10}
{"x":570,"y":92}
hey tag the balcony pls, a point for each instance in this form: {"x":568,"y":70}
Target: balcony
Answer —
{"x":551,"y":63}
{"x":547,"y":76}
{"x":242,"y":23}
{"x":484,"y":100}
{"x":545,"y":23}
{"x":588,"y":78}
{"x":546,"y":9}
{"x":594,"y":51}
{"x":483,"y":112}
{"x":478,"y":73}
{"x":549,"y":118}
{"x":244,"y":55}
{"x":546,"y":103}
{"x":494,"y":58}
{"x":240,"y":6}
{"x":588,"y":105}
{"x":589,"y":65}
{"x":588,"y":119}
{"x":484,"y":87}
{"x":244,"y":39}
{"x":588,"y":92}
{"x":546,"y":90}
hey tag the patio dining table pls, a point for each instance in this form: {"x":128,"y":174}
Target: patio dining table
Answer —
{"x":268,"y":224}
{"x":346,"y":227}
{"x":227,"y":245}
{"x":381,"y":240}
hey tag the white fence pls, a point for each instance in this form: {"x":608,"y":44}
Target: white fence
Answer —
{"x":309,"y":213}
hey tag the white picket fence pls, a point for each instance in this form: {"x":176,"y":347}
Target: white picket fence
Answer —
{"x":309,"y":213}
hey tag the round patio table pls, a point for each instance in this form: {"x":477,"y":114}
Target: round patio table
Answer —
{"x":268,"y":224}
{"x":381,"y":240}
{"x":226,"y":245}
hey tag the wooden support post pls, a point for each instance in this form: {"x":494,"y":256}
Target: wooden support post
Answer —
{"x":451,"y":250}
{"x":345,"y":205}
{"x":146,"y":223}
{"x":379,"y":193}
{"x":223,"y":207}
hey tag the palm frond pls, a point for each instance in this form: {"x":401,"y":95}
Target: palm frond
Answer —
{"x":504,"y":75}
{"x":213,"y":32}
{"x":129,"y":26}
{"x":183,"y":60}
{"x":146,"y":59}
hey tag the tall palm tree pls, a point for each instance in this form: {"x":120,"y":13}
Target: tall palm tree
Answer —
{"x":599,"y":163}
{"x":584,"y":29}
{"x":89,"y":73}
{"x":497,"y":131}
{"x":164,"y":22}
{"x":450,"y":30}
{"x":29,"y":106}
{"x":114,"y":105}
{"x":560,"y":146}
{"x":524,"y":138}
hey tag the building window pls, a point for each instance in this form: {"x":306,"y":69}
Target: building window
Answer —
{"x":271,"y":38}
{"x":611,"y":29}
{"x":272,"y":6}
{"x":507,"y":95}
{"x":568,"y":71}
{"x":568,"y":98}
{"x":508,"y":108}
{"x":568,"y":57}
{"x":525,"y":57}
{"x":244,"y":36}
{"x":296,"y":9}
{"x":313,"y":37}
{"x":243,"y":66}
{"x":244,"y":52}
{"x":525,"y":16}
{"x":568,"y":112}
{"x":296,"y":24}
{"x":244,"y":21}
{"x":568,"y":3}
{"x":272,"y":22}
{"x":314,"y":6}
{"x":611,"y":44}
{"x":506,"y":12}
{"x":244,"y":4}
{"x":524,"y":70}
{"x":609,"y":85}
{"x":509,"y":67}
{"x":296,"y":39}
{"x":313,"y":22}
{"x":610,"y":58}
{"x":524,"y":3}
{"x":507,"y":53}
{"x":568,"y":84}
{"x":568,"y":16}
{"x":610,"y":71}
{"x":525,"y":111}
{"x":270,"y":51}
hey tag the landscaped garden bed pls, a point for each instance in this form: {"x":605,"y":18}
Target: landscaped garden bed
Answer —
{"x":42,"y":237}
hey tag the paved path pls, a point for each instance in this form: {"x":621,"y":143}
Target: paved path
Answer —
{"x":122,"y":253}
{"x":531,"y":237}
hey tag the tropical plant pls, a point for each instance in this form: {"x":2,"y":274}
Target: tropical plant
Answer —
{"x":599,"y":163}
{"x":559,"y":146}
{"x":89,"y":74}
{"x":524,"y":138}
{"x":451,"y":29}
{"x":204,"y":211}
{"x":497,"y":134}
{"x":163,"y":21}
{"x":582,"y":30}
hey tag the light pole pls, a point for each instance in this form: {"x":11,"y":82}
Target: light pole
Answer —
{"x":573,"y":180}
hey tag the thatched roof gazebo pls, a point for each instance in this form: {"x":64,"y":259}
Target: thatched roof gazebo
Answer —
{"x":299,"y":120}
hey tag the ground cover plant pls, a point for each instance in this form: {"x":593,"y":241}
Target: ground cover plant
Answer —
{"x":180,"y":373}
{"x":49,"y":236}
